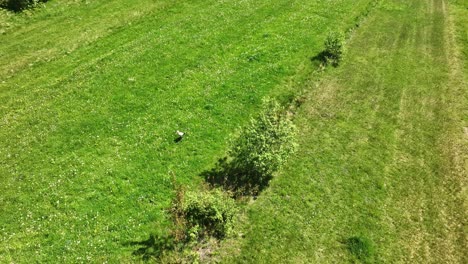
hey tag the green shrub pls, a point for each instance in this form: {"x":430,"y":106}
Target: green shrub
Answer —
{"x":19,"y":5}
{"x":265,"y":144}
{"x":206,"y":213}
{"x":334,"y":48}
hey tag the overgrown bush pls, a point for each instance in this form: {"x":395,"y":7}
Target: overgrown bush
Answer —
{"x":200,"y":214}
{"x":334,"y":48}
{"x":261,"y":148}
{"x":19,"y":5}
{"x":265,"y":144}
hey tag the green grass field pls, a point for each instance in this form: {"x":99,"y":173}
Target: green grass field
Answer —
{"x":91,"y":93}
{"x":383,"y":156}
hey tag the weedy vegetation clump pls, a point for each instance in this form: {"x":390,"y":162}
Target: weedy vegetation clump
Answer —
{"x":198,"y":217}
{"x":203,"y":214}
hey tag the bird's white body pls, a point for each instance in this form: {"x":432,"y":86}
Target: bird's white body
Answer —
{"x":180,"y":133}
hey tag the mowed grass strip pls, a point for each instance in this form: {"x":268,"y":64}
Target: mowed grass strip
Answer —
{"x":87,"y":125}
{"x":380,"y":175}
{"x":29,"y":39}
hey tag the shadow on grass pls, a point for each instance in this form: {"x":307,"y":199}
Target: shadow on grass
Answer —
{"x":18,"y":6}
{"x":320,"y":58}
{"x":361,"y":248}
{"x":323,"y":59}
{"x":231,"y":176}
{"x":154,"y":247}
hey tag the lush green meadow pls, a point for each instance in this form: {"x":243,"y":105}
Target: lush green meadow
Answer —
{"x":91,"y":93}
{"x":380,"y":175}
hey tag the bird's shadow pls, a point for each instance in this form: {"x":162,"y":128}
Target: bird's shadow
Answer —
{"x":178,"y":139}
